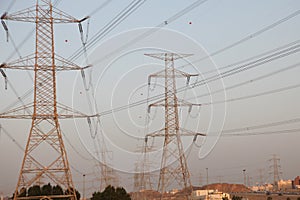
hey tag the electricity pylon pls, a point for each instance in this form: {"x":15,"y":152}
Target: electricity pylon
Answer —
{"x":45,"y":156}
{"x":276,"y":170}
{"x":142,"y":176}
{"x":108,"y":174}
{"x":174,"y":168}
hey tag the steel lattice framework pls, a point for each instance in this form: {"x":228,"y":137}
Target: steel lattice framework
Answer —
{"x":45,"y":132}
{"x":174,"y":167}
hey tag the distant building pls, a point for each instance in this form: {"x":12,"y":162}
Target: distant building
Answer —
{"x":255,"y":188}
{"x":285,"y":184}
{"x":174,"y":191}
{"x":266,"y":187}
{"x":297,"y":182}
{"x":209,"y":195}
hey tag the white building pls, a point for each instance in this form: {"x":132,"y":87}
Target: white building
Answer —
{"x":285,"y":184}
{"x":209,"y":195}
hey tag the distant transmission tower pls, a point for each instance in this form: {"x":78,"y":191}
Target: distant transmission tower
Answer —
{"x":174,"y":170}
{"x":108,"y":175}
{"x":276,"y":170}
{"x":145,"y":174}
{"x":45,"y":157}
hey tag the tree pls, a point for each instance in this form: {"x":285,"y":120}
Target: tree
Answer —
{"x":47,"y":189}
{"x":34,"y":191}
{"x":70,"y":191}
{"x":23,"y":192}
{"x":57,"y":190}
{"x":236,"y":197}
{"x":122,"y":194}
{"x":111,"y":193}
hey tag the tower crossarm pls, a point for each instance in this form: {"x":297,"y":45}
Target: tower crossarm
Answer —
{"x":29,"y":15}
{"x":27,"y":63}
{"x":180,"y":102}
{"x":168,"y":56}
{"x":183,"y":132}
{"x":64,"y":112}
{"x":176,"y":74}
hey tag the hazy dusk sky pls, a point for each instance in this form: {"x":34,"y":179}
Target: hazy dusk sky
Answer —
{"x":229,"y":30}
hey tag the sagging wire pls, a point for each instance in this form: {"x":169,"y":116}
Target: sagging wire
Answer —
{"x":12,"y":138}
{"x":188,"y":151}
{"x":10,"y":5}
{"x":76,"y":151}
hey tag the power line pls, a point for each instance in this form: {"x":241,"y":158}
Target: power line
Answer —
{"x":228,"y":73}
{"x":198,"y":84}
{"x":20,"y":146}
{"x":127,"y":11}
{"x":160,"y":25}
{"x":10,"y":5}
{"x":253,"y":95}
{"x":250,"y":65}
{"x":254,"y":57}
{"x":188,"y":9}
{"x":251,"y":80}
{"x":251,"y":36}
{"x":197,"y":3}
{"x":12,"y":138}
{"x":261,"y":126}
{"x":105,"y":3}
{"x":262,"y":133}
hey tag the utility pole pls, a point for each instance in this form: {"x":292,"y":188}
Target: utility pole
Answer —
{"x":174,"y":168}
{"x":244,"y":173}
{"x":45,"y":134}
{"x":261,"y":177}
{"x":83,"y":187}
{"x":207,"y":176}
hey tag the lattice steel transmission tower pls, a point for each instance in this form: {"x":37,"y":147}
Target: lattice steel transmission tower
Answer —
{"x":174,"y":168}
{"x":276,"y":170}
{"x":108,"y":174}
{"x":45,"y":155}
{"x":142,"y":175}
